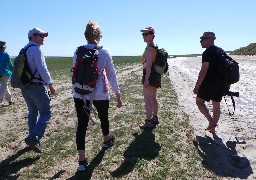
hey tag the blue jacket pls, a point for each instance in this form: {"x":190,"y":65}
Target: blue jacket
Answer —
{"x":6,"y":66}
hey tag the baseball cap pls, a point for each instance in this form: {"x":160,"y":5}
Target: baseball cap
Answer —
{"x":37,"y":31}
{"x":208,"y":35}
{"x":3,"y":43}
{"x":148,"y":29}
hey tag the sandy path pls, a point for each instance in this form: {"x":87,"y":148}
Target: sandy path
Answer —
{"x":239,"y":129}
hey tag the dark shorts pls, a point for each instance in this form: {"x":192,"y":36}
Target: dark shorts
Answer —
{"x":211,"y":91}
{"x":154,"y":78}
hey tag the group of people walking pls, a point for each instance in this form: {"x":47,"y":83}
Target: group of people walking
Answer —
{"x":38,"y":101}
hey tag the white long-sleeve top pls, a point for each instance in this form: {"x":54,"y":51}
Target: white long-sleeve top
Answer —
{"x":36,"y":61}
{"x":107,"y":73}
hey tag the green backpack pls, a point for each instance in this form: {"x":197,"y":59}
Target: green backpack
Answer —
{"x":22,"y":75}
{"x":161,"y":65}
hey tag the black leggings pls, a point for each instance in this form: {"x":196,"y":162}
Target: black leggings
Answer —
{"x":102,"y":107}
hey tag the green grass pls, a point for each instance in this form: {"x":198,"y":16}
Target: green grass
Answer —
{"x":166,"y":152}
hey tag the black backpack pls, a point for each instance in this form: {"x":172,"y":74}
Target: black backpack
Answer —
{"x":161,"y":66}
{"x":22,"y":75}
{"x":228,"y":69}
{"x":85,"y":73}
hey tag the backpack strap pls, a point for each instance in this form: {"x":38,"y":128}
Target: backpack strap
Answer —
{"x":24,"y":50}
{"x":154,"y":46}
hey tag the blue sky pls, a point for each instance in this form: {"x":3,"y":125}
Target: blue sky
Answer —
{"x":178,"y":24}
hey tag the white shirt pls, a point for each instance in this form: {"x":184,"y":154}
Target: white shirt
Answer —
{"x":36,"y":61}
{"x":107,"y":73}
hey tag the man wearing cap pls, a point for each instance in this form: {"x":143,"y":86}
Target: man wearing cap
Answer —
{"x":36,"y":94}
{"x":206,"y":86}
{"x":6,"y":68}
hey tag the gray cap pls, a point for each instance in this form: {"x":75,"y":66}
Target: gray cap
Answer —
{"x":37,"y":31}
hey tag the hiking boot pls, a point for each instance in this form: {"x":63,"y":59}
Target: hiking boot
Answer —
{"x":34,"y":144}
{"x":149,"y":125}
{"x":109,"y":142}
{"x":154,"y":120}
{"x":82,"y":166}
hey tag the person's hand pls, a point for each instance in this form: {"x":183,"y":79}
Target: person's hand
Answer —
{"x":196,"y":89}
{"x":118,"y":100}
{"x":119,"y":103}
{"x":146,"y":84}
{"x":52,"y":89}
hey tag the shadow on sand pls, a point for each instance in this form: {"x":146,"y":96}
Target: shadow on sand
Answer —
{"x":11,"y":165}
{"x":222,"y":159}
{"x":92,"y":165}
{"x":143,"y":147}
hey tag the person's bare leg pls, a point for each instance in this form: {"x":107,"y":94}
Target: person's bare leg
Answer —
{"x":154,"y":102}
{"x":205,"y":111}
{"x":215,"y":115}
{"x":148,"y":101}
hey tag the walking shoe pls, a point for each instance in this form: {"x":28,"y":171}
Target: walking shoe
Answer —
{"x":109,"y":142}
{"x":82,"y":166}
{"x":34,"y":144}
{"x":149,"y":125}
{"x":11,"y":103}
{"x":154,"y":120}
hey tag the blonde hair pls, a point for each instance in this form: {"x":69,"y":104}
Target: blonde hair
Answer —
{"x":92,"y":31}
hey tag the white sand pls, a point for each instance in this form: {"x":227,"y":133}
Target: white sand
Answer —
{"x":239,"y":129}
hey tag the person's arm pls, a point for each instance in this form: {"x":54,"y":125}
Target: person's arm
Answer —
{"x":111,"y":76}
{"x":10,"y":64}
{"x":51,"y":89}
{"x":149,"y":61}
{"x":118,"y":100}
{"x":42,"y":70}
{"x":201,"y":76}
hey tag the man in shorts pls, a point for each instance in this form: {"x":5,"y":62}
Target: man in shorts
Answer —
{"x":206,"y":86}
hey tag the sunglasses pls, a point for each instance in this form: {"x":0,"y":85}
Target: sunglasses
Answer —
{"x":204,"y":39}
{"x":146,"y":34}
{"x":40,"y":35}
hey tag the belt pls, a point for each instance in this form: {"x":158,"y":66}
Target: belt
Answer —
{"x":37,"y":83}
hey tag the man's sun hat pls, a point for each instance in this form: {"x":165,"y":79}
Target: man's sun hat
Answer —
{"x":208,"y":35}
{"x":148,"y":29}
{"x":3,"y":44}
{"x":37,"y":31}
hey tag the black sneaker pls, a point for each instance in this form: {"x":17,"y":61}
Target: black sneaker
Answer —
{"x":149,"y":125}
{"x":82,"y":166}
{"x":109,"y":142}
{"x":154,"y":120}
{"x":34,"y":144}
{"x":11,"y":103}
